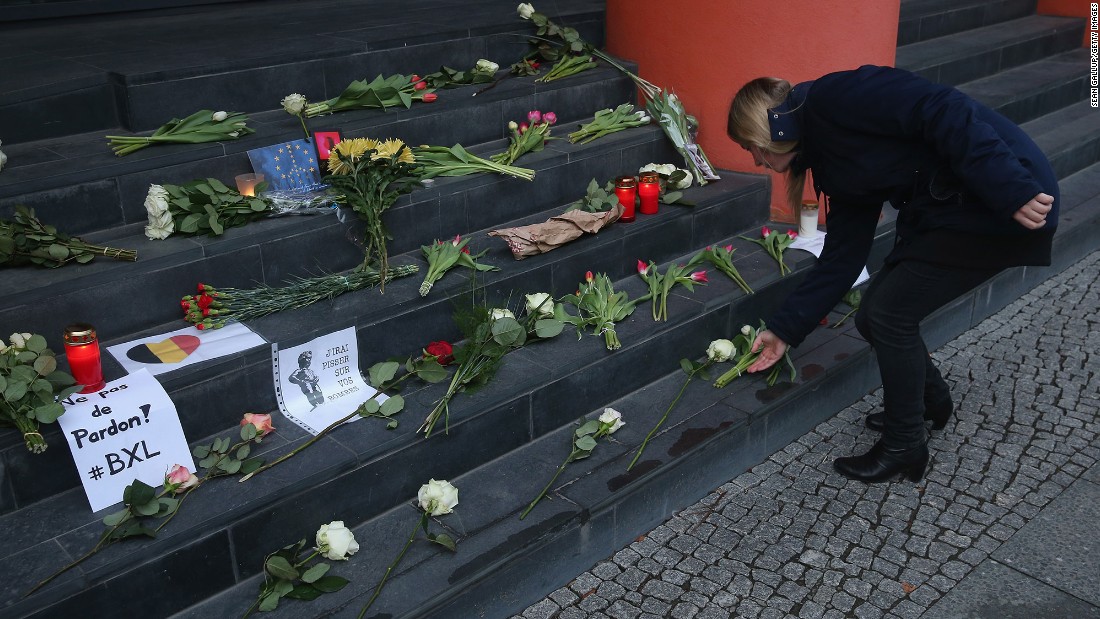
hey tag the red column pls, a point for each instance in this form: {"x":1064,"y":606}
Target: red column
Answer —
{"x":707,"y":49}
{"x":1067,"y":8}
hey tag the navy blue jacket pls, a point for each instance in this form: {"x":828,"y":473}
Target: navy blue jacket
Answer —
{"x":955,"y":170}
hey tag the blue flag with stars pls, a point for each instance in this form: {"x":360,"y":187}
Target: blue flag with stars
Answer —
{"x":288,"y":165}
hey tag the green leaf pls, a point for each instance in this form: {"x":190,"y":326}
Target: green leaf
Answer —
{"x":58,"y":252}
{"x":687,"y":366}
{"x":138,"y":493}
{"x":392,"y":425}
{"x":330,"y":584}
{"x":230,"y":466}
{"x":268,"y":602}
{"x":431,"y":372}
{"x":116,"y":518}
{"x":190,"y":224}
{"x":392,"y":406}
{"x":282,"y":587}
{"x":381,"y":373}
{"x":248,"y":432}
{"x":306,"y":593}
{"x":243,"y":451}
{"x":45,"y":365}
{"x":49,"y":413}
{"x":315,"y":572}
{"x":443,"y":540}
{"x":251,"y":465}
{"x":586,"y":442}
{"x":217,"y":185}
{"x":36,"y":343}
{"x":371,"y":406}
{"x":15,"y":391}
{"x":201,"y":451}
{"x":547,"y":327}
{"x":148,"y":508}
{"x":589,"y":427}
{"x":280,"y":568}
{"x":508,"y":332}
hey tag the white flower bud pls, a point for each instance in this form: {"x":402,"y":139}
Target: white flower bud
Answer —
{"x":525,"y":10}
{"x":294,"y":103}
{"x":437,"y":497}
{"x":612,"y":418}
{"x":219,"y":116}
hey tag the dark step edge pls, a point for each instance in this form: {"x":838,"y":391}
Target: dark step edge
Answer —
{"x":1062,"y":84}
{"x":924,"y":21}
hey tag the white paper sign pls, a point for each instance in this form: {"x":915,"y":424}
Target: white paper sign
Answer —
{"x":815,"y":245}
{"x":319,"y":382}
{"x":170,"y":351}
{"x":127,"y":430}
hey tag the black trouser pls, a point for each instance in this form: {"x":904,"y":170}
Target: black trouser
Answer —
{"x":900,"y":296}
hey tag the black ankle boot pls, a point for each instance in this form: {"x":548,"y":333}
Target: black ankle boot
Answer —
{"x":884,"y":463}
{"x":939,"y":414}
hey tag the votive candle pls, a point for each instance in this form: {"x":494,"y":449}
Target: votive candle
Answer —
{"x":807,"y":221}
{"x":82,"y":351}
{"x":625,"y":189}
{"x":246,"y":183}
{"x":649,"y":188}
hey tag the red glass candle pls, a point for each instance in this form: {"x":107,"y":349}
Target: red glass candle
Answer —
{"x":649,"y":188}
{"x":625,"y":190}
{"x":82,"y":351}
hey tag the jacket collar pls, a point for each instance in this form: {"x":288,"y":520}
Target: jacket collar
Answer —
{"x":785,"y":119}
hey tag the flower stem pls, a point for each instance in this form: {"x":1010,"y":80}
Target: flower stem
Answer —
{"x":31,"y":436}
{"x":412,"y":536}
{"x":547,"y":487}
{"x":664,"y":417}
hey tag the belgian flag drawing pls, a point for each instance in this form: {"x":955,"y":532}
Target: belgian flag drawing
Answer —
{"x":172,"y":350}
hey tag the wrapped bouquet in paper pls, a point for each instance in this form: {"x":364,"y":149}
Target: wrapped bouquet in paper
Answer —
{"x":557,"y":231}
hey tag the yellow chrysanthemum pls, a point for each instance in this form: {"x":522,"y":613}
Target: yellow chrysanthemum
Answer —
{"x":392,"y":147}
{"x":348,"y":152}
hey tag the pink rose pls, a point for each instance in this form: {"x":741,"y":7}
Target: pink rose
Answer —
{"x":534,"y":117}
{"x":179,"y":479}
{"x":261,"y":421}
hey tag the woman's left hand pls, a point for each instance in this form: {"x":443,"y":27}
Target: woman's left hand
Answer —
{"x":771,"y":350}
{"x":1033,"y":215}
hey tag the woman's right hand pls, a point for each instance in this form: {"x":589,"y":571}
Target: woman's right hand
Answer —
{"x":771,"y":350}
{"x":1033,"y":215}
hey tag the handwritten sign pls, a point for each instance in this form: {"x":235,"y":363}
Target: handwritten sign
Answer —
{"x":127,"y":430}
{"x":319,"y":382}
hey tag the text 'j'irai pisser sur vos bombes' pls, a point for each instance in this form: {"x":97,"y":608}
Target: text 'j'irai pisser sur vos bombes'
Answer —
{"x":1094,"y":54}
{"x":114,"y":423}
{"x":337,"y":359}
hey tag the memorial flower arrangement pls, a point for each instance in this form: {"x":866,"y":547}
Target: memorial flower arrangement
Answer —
{"x":202,"y":126}
{"x":671,"y":176}
{"x":490,"y":334}
{"x":30,"y":387}
{"x":599,"y":306}
{"x":287,"y":575}
{"x":609,"y":121}
{"x":661,"y":285}
{"x":442,"y":256}
{"x":584,"y":442}
{"x":722,"y":259}
{"x":24,"y":239}
{"x":457,"y":161}
{"x":853,"y":298}
{"x":482,"y":72}
{"x":383,"y":377}
{"x":775,"y":243}
{"x":369,"y":176}
{"x":572,"y":59}
{"x":144,"y":505}
{"x":435,"y":498}
{"x":379,"y":93}
{"x":596,"y":199}
{"x":719,"y":351}
{"x":213,"y":308}
{"x":743,"y":341}
{"x":202,"y":206}
{"x":527,"y":137}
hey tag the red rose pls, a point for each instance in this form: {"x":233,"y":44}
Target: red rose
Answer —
{"x":442,"y":351}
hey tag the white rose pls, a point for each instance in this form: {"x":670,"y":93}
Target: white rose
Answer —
{"x":160,"y":230}
{"x":294,"y":103}
{"x":540,"y":304}
{"x":335,"y":541}
{"x":666,"y":169}
{"x":525,"y":10}
{"x":437,"y":497}
{"x":3,"y":347}
{"x":649,"y":167}
{"x":219,"y":116}
{"x":498,"y":314}
{"x":746,"y":330}
{"x":160,"y":218}
{"x":684,"y":182}
{"x":3,"y":158}
{"x":613,"y":418}
{"x":720,"y":350}
{"x":486,"y":66}
{"x":19,"y":340}
{"x":156,"y":201}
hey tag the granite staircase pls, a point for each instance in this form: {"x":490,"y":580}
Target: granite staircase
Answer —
{"x":506,"y":440}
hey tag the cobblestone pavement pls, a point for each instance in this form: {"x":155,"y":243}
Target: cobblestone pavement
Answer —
{"x":791,"y":538}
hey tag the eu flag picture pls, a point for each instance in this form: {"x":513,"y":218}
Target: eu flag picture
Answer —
{"x":287,"y":165}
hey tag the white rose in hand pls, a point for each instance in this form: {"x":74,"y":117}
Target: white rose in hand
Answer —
{"x":613,"y":419}
{"x":437,"y":497}
{"x":335,"y":541}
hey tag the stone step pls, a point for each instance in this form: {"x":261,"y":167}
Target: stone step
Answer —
{"x":504,"y":564}
{"x":399,"y":320}
{"x":921,"y":20}
{"x":980,"y":52}
{"x":139,"y":69}
{"x":1029,"y":91}
{"x":77,"y":183}
{"x":1070,"y":137}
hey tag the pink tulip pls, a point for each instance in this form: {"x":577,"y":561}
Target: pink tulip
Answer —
{"x":549,"y":118}
{"x":522,"y":128}
{"x":588,"y":277}
{"x":534,"y":117}
{"x":458,"y":239}
{"x":729,"y":248}
{"x":765,"y":232}
{"x":792,"y":234}
{"x":643,"y":268}
{"x":699,"y":276}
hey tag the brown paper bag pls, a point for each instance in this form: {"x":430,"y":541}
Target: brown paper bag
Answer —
{"x":557,"y":231}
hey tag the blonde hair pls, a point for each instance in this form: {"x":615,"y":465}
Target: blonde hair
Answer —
{"x":748,"y":126}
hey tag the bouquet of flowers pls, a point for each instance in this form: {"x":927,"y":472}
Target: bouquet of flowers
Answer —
{"x":775,"y":243}
{"x":490,"y":334}
{"x":722,"y":259}
{"x":600,"y":306}
{"x":32,"y":387}
{"x":287,"y":575}
{"x":717,"y":352}
{"x":596,"y":199}
{"x":457,"y":161}
{"x":369,"y":176}
{"x":435,"y":498}
{"x":609,"y":121}
{"x":443,"y":256}
{"x":743,"y":342}
{"x":584,"y":442}
{"x":571,"y":59}
{"x":26,"y":240}
{"x":527,"y":138}
{"x":202,"y":126}
{"x":483,"y":72}
{"x":661,"y":285}
{"x":380,"y":93}
{"x":213,"y":307}
{"x":203,"y":206}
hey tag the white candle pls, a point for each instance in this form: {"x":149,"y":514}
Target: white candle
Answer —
{"x":807,"y":222}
